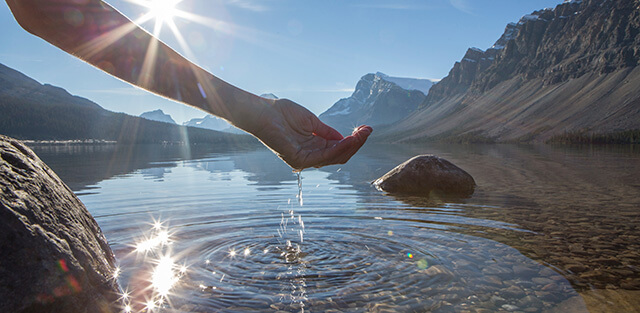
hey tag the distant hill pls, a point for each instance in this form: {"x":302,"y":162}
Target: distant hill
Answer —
{"x":215,"y":123}
{"x":158,"y":116}
{"x":565,"y":74}
{"x":378,"y":99}
{"x":30,"y":110}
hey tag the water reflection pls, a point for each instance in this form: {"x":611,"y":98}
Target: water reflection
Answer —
{"x":80,"y":166}
{"x":544,"y":223}
{"x":157,"y":173}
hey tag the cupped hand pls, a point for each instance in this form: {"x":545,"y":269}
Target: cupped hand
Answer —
{"x":301,"y":140}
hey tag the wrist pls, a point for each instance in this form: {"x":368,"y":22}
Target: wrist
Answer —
{"x":253,"y":113}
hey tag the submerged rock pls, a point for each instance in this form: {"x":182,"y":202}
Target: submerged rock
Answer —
{"x":424,"y":174}
{"x":53,"y":255}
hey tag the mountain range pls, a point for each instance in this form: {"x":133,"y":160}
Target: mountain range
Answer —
{"x":568,"y":73}
{"x":209,"y":122}
{"x":30,"y":110}
{"x":213,"y":122}
{"x":378,"y":99}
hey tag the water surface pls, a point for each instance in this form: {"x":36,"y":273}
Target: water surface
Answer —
{"x":548,"y":229}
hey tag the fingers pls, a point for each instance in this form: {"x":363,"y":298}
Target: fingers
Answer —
{"x":337,"y":153}
{"x":346,"y":148}
{"x":323,"y":130}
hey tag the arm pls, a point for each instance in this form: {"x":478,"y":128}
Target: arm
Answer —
{"x":108,"y":40}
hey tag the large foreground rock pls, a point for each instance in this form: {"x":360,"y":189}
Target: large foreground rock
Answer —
{"x":424,"y":175}
{"x":53,"y":256}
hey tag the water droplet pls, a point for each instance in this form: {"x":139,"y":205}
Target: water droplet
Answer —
{"x":299,"y":196}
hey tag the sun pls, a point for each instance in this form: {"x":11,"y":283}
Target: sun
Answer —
{"x":163,"y":10}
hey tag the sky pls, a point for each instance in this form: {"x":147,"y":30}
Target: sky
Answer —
{"x":312,"y":52}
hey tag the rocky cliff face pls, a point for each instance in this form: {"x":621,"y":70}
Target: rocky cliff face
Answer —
{"x":575,"y":38}
{"x":571,"y":68}
{"x":377,"y":100}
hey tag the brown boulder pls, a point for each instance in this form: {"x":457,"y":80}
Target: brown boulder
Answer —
{"x":53,"y":255}
{"x":424,"y":175}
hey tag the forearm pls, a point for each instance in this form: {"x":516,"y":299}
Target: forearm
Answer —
{"x":102,"y":36}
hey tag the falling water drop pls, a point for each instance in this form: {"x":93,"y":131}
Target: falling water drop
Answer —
{"x":299,"y":196}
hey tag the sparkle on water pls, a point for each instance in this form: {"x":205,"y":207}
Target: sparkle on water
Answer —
{"x":164,"y":276}
{"x":153,"y":252}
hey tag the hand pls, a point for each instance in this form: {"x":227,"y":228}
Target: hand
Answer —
{"x":301,"y":140}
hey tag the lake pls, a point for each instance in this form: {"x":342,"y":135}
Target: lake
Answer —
{"x":222,"y":229}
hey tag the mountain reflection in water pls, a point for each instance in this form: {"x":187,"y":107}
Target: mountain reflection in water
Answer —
{"x":545,"y":225}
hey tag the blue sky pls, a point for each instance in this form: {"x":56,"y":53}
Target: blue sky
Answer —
{"x":312,"y":52}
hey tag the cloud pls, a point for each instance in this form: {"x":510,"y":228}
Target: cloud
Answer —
{"x":462,"y":5}
{"x":250,"y":5}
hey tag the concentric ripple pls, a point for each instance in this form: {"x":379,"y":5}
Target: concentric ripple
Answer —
{"x":359,"y":264}
{"x":230,"y":245}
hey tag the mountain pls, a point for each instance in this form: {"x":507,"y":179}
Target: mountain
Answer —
{"x":215,"y":123}
{"x":30,"y":110}
{"x":564,"y":74}
{"x":209,"y":122}
{"x":158,"y":116}
{"x":377,"y":100}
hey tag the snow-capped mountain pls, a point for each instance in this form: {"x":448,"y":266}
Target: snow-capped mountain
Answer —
{"x":215,"y":123}
{"x":158,"y":116}
{"x":377,"y":100}
{"x":209,"y":122}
